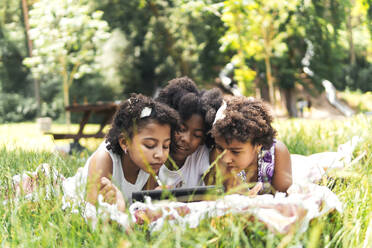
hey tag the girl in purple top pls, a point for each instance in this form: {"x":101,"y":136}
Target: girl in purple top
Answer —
{"x":245,"y":142}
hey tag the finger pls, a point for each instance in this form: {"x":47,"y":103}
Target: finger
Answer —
{"x":256,"y":189}
{"x":106,"y":189}
{"x":110,"y":197}
{"x":120,"y":201}
{"x":104,"y":181}
{"x":110,"y":192}
{"x":107,"y":195}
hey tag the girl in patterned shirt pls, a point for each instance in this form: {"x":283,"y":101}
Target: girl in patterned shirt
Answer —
{"x":246,"y":147}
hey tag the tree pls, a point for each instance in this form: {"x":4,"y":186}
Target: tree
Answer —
{"x":67,"y":37}
{"x":322,"y":23}
{"x":163,"y":39}
{"x":13,"y":75}
{"x":254,"y":31}
{"x":29,"y":49}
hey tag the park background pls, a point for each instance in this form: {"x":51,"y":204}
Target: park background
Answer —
{"x":55,"y":53}
{"x":58,"y":52}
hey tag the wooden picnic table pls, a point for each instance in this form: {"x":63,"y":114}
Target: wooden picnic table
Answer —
{"x":107,"y":109}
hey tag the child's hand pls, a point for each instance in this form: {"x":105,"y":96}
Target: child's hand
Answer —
{"x":163,"y":187}
{"x":111,"y":194}
{"x":254,"y":191}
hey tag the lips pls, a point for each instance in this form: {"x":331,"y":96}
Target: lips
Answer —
{"x":156,"y":166}
{"x":182,"y":148}
{"x":231,"y":169}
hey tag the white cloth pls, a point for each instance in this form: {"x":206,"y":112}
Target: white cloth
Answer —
{"x":75,"y":187}
{"x":279,"y":213}
{"x":190,"y":174}
{"x":311,"y":168}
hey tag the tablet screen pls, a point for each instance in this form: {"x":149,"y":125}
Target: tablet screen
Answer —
{"x":180,"y":194}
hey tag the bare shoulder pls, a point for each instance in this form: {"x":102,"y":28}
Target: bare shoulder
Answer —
{"x":101,"y":164}
{"x":282,"y":178}
{"x":281,"y":149}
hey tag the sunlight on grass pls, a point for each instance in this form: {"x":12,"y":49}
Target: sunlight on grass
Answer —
{"x":29,"y":137}
{"x":360,"y":101}
{"x":44,"y":223}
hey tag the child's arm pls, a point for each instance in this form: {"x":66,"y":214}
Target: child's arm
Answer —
{"x":99,"y":180}
{"x":282,"y":178}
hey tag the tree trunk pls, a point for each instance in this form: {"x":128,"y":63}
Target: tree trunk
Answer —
{"x":350,"y":38}
{"x":29,"y":49}
{"x":269,"y":79}
{"x":66,"y":98}
{"x":290,"y":102}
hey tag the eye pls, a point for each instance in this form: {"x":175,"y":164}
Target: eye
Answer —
{"x":166,"y":145}
{"x":235,"y":152}
{"x":198,"y":135}
{"x":150,"y":146}
{"x":219,"y":148}
{"x":183,"y":129}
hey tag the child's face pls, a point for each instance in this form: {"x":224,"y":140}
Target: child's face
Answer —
{"x":150,"y":146}
{"x":188,"y":139}
{"x":238,"y":156}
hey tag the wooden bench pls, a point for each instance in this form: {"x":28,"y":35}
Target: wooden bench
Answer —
{"x":106,"y":109}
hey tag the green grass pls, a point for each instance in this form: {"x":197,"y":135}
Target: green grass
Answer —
{"x":361,"y":102}
{"x":29,"y":137}
{"x":43,"y":223}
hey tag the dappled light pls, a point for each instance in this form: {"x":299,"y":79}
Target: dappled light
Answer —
{"x":185,"y":123}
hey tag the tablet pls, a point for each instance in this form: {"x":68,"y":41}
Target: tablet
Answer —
{"x":200,"y":193}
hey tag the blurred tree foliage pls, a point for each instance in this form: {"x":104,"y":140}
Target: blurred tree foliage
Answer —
{"x":16,"y":89}
{"x":67,"y":38}
{"x":271,"y":38}
{"x":163,"y":39}
{"x":12,"y":49}
{"x":153,"y":41}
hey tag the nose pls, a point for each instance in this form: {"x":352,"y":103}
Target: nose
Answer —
{"x":185,"y":137}
{"x":226,"y":158}
{"x":159,"y":153}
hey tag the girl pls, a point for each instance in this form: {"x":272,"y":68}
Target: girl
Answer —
{"x":245,"y":141}
{"x":189,"y":154}
{"x":136,"y":146}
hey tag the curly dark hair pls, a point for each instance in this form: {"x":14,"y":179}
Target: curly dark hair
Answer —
{"x":183,"y":95}
{"x":246,"y":119}
{"x":128,"y":117}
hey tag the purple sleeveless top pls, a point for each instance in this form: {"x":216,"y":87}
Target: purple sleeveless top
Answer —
{"x":266,"y":164}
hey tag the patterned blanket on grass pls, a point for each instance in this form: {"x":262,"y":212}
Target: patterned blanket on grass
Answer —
{"x":279,"y":213}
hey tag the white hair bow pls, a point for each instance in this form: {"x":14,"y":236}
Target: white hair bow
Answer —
{"x":220,"y":112}
{"x":146,"y":112}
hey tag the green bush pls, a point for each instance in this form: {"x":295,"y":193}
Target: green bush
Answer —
{"x":15,"y":108}
{"x":358,"y":76}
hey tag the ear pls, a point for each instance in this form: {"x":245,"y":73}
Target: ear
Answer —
{"x":123,"y":144}
{"x":258,"y":148}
